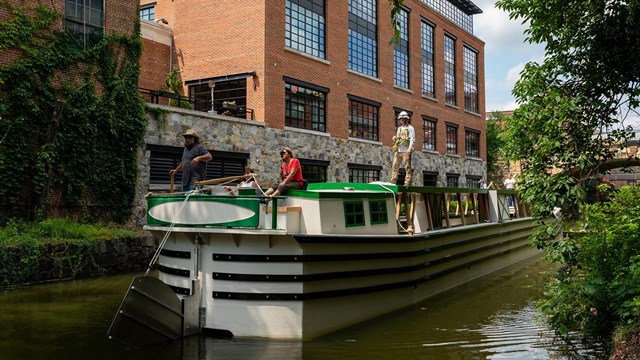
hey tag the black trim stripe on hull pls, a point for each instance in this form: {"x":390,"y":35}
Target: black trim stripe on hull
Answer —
{"x":351,"y":257}
{"x":327,"y":239}
{"x":355,"y":291}
{"x":180,"y":290}
{"x":176,"y":254}
{"x":173,"y":271}
{"x":352,"y":274}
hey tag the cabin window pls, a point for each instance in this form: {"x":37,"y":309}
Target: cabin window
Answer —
{"x":353,"y":213}
{"x":378,"y":212}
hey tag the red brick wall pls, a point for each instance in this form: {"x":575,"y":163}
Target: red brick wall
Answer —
{"x":121,"y":17}
{"x":248,"y":35}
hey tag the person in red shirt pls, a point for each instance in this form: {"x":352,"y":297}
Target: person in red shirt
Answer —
{"x":290,"y":173}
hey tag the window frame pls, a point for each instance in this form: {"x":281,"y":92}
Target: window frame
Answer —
{"x":427,"y":50}
{"x":470,"y":65}
{"x":163,"y":158}
{"x":311,"y":167}
{"x":311,"y":14}
{"x":364,"y":172}
{"x":450,"y":69}
{"x":469,"y":149}
{"x":358,"y":127}
{"x":430,"y":175}
{"x":453,"y":180}
{"x":309,"y":120}
{"x":362,"y":38}
{"x":430,"y":133}
{"x":352,"y":216}
{"x":378,"y":213}
{"x":401,"y":51}
{"x":80,"y":27}
{"x":451,"y":143}
{"x":148,"y":15}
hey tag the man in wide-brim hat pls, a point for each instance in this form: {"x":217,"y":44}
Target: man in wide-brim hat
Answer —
{"x":193,"y":163}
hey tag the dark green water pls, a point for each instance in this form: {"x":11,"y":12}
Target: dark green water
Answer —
{"x":493,"y":318}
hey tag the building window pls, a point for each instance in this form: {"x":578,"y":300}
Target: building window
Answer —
{"x":353,"y":213}
{"x":470,"y":80}
{"x":228,"y":96}
{"x":305,"y":106}
{"x":378,"y":212}
{"x":364,"y":118}
{"x":429,"y":178}
{"x":428,"y":72}
{"x":362,"y":37}
{"x":164,"y":158}
{"x":472,"y":143}
{"x":314,"y":171}
{"x":363,"y":173}
{"x":452,"y":180}
{"x":473,"y":181}
{"x":84,"y":21}
{"x":452,"y":139}
{"x":401,"y":52}
{"x":429,"y":126}
{"x":305,"y":26}
{"x":148,"y":12}
{"x":452,"y":11}
{"x":450,"y":70}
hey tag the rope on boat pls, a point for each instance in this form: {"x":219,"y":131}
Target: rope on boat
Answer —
{"x":395,"y":201}
{"x":166,"y":235}
{"x":156,"y":255}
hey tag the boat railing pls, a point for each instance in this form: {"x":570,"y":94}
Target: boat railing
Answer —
{"x":449,"y":207}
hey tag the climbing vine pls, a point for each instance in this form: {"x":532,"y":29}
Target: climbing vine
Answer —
{"x":71,"y":121}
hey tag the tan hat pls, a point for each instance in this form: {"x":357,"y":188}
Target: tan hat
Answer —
{"x":191,"y":133}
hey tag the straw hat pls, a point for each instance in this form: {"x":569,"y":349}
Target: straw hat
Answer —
{"x":191,"y":133}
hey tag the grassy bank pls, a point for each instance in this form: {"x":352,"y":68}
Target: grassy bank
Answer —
{"x":61,"y":249}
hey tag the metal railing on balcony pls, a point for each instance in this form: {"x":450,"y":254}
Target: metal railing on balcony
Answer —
{"x":168,"y":98}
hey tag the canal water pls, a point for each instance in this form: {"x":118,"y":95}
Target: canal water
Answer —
{"x":493,"y":318}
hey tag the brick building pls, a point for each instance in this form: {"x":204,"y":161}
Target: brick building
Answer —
{"x":311,"y":69}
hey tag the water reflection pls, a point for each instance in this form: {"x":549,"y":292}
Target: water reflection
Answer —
{"x":492,"y":318}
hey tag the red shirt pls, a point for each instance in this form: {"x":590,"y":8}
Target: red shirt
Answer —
{"x":286,"y":169}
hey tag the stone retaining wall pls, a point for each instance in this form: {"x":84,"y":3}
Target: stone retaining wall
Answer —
{"x":64,"y":261}
{"x":225,"y":133}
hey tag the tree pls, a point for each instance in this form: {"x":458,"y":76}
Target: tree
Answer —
{"x":570,"y":120}
{"x":573,"y":105}
{"x":495,"y":154}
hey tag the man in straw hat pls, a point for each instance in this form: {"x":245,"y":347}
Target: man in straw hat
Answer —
{"x":403,"y":147}
{"x":194,"y":157}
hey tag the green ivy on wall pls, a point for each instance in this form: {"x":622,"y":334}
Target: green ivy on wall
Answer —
{"x":71,"y":121}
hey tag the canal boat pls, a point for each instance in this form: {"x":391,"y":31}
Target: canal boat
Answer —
{"x":313,"y":261}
